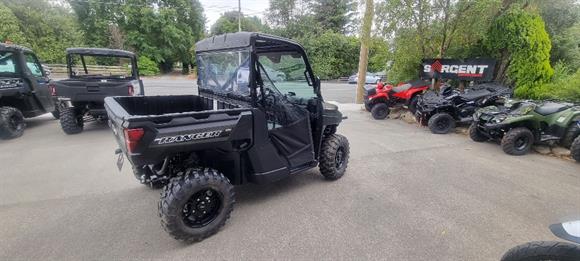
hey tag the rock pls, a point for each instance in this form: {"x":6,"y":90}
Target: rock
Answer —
{"x":561,"y":152}
{"x":544,"y":150}
{"x":461,"y":130}
{"x":395,"y":114}
{"x":408,"y":117}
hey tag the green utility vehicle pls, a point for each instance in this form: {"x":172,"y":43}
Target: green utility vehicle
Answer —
{"x":520,"y":124}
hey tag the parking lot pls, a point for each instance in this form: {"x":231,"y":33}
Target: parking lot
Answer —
{"x":407,"y":195}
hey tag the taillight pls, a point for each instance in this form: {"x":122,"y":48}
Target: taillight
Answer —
{"x":131,"y":90}
{"x":52,"y":89}
{"x":132,"y":138}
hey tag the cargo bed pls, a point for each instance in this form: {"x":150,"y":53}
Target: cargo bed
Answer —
{"x":174,"y":123}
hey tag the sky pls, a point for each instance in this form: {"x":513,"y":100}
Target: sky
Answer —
{"x":214,"y":8}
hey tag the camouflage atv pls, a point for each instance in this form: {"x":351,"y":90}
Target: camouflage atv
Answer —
{"x":520,"y":124}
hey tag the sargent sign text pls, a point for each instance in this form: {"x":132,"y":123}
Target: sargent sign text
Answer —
{"x":466,"y":70}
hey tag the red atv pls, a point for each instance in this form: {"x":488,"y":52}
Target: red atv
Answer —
{"x":379,"y":99}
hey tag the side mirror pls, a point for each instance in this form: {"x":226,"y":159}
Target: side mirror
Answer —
{"x":317,"y":85}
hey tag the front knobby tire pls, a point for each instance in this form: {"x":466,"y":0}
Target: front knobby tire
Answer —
{"x":196,"y":204}
{"x":334,"y":156}
{"x":368,"y":107}
{"x":70,"y":121}
{"x":575,"y":149}
{"x":475,"y":134}
{"x":517,"y":141}
{"x":413,"y":104}
{"x":543,"y":250}
{"x":380,"y":111}
{"x":441,"y":123}
{"x":11,"y":123}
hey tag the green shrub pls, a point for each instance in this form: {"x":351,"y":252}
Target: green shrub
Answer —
{"x":519,"y":37}
{"x":147,"y":67}
{"x":564,"y":86}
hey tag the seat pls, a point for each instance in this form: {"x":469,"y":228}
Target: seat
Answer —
{"x":551,"y":108}
{"x":402,"y":88}
{"x":475,"y":94}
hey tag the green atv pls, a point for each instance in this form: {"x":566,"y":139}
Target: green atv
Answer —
{"x":520,"y":124}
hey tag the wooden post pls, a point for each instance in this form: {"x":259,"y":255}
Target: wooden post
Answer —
{"x":365,"y":38}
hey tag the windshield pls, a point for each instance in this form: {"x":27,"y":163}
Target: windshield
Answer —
{"x":7,"y":63}
{"x":110,"y":67}
{"x":225,"y":72}
{"x":286,"y":73}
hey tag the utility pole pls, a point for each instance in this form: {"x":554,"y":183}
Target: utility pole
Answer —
{"x":363,"y":60}
{"x":239,"y":15}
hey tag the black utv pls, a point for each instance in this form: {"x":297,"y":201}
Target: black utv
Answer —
{"x":94,"y":73}
{"x":441,"y":111}
{"x":24,"y":89}
{"x":242,"y":127}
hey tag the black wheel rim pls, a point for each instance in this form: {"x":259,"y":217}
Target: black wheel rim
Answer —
{"x":339,"y":158}
{"x":202,"y":208}
{"x":521,"y":143}
{"x":442,"y":124}
{"x":15,"y":122}
{"x":382,"y":113}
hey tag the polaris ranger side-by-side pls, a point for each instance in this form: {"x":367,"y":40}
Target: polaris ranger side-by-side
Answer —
{"x":242,"y":127}
{"x":24,"y":89}
{"x":94,"y":73}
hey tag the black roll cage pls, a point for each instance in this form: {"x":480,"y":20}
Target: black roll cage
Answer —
{"x":101,"y":52}
{"x":256,"y":43}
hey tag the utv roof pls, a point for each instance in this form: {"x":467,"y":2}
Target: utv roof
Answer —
{"x":243,"y":40}
{"x":100,"y":51}
{"x":13,"y":47}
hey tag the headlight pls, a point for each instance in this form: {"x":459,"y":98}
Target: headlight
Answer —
{"x":499,"y":119}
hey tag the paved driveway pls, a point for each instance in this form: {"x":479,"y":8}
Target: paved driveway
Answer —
{"x":407,"y":195}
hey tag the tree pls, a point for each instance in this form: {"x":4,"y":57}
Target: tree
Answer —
{"x":426,"y":29}
{"x":567,"y":48}
{"x":518,"y":39}
{"x":9,"y":28}
{"x":163,"y":30}
{"x":332,"y":54}
{"x":333,"y":15}
{"x":48,"y":29}
{"x":365,"y":38}
{"x":228,"y":23}
{"x":96,"y":19}
{"x":280,"y":12}
{"x":559,"y":16}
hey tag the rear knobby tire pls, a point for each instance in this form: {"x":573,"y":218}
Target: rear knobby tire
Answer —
{"x":183,"y":215}
{"x":70,"y":121}
{"x":571,"y":134}
{"x":334,"y":156}
{"x":368,"y":107}
{"x":441,"y":123}
{"x":575,"y":149}
{"x":517,"y":141}
{"x":380,"y":111}
{"x":11,"y":123}
{"x":475,"y":134}
{"x":543,"y":250}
